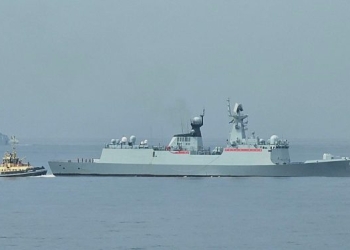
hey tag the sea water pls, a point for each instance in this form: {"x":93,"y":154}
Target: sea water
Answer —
{"x":173,"y":213}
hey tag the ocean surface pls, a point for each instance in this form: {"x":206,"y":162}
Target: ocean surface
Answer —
{"x":173,"y":213}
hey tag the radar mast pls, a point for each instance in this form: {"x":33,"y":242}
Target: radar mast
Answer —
{"x":237,"y":135}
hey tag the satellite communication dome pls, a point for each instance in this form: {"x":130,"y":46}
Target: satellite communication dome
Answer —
{"x":262,"y":141}
{"x":132,"y":139}
{"x":113,"y":141}
{"x":197,"y":120}
{"x":124,"y":139}
{"x":274,"y":139}
{"x":145,"y":142}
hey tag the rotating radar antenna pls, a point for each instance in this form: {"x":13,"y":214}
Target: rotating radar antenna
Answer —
{"x":237,"y":116}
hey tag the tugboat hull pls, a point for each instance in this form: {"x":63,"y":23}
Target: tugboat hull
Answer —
{"x":32,"y":172}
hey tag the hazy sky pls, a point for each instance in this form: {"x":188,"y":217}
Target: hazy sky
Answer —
{"x":104,"y":69}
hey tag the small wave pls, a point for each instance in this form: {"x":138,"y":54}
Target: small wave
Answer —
{"x":45,"y":176}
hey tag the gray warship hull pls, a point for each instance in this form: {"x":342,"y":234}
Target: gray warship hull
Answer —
{"x":165,"y":164}
{"x":325,"y":169}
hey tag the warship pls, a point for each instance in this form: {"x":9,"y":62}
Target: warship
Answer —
{"x":13,"y":166}
{"x":185,"y":155}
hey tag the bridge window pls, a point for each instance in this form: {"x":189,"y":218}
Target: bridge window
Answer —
{"x":183,"y":139}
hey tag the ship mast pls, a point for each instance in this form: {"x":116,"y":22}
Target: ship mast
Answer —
{"x":237,"y":135}
{"x":13,"y":142}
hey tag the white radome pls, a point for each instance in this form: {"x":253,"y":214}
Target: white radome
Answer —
{"x":197,"y":120}
{"x":274,"y":139}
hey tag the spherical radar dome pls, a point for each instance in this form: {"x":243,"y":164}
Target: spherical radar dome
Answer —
{"x":132,"y":139}
{"x":274,"y":139}
{"x":197,"y":120}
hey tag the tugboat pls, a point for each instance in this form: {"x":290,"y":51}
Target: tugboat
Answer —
{"x":12,"y":166}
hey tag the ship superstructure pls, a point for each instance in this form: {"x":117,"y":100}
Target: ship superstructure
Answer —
{"x":238,"y":141}
{"x":185,"y":155}
{"x":191,"y":141}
